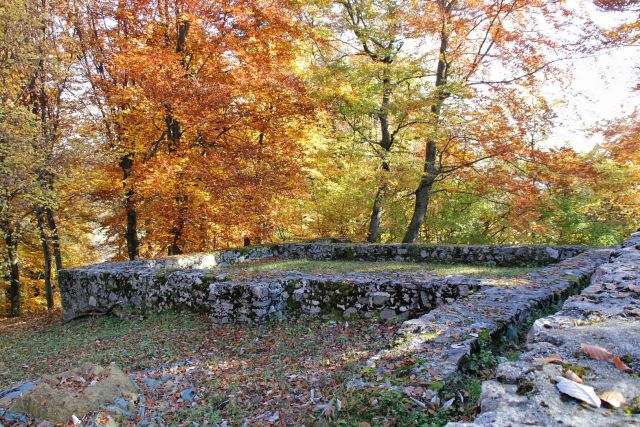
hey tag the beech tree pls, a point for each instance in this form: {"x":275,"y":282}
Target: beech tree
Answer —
{"x":200,"y":95}
{"x":368,"y":71}
{"x":44,"y":96}
{"x":450,"y":76}
{"x":622,"y":135}
{"x":488,"y":50}
{"x":19,"y":188}
{"x":136,"y":128}
{"x":19,"y":158}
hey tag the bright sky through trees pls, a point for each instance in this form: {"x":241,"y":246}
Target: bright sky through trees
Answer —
{"x":601,"y":88}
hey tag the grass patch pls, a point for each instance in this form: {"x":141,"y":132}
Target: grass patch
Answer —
{"x":400,"y":407}
{"x":341,"y":267}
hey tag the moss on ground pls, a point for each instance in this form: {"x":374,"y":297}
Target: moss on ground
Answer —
{"x":349,"y":266}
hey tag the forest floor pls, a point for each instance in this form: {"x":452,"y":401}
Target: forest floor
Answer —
{"x":293,"y":371}
{"x":289,"y":372}
{"x":343,"y":267}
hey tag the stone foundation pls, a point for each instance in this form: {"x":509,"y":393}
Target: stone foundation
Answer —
{"x":258,"y":299}
{"x":606,"y":314}
{"x":192,"y":282}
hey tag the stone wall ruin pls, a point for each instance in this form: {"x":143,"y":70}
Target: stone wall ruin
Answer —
{"x":194,"y":281}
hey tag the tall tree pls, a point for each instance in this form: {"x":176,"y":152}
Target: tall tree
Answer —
{"x":44,"y":97}
{"x":19,"y":159}
{"x":19,"y":188}
{"x":368,"y":71}
{"x":182,"y":103}
{"x":484,"y":50}
{"x":450,"y":76}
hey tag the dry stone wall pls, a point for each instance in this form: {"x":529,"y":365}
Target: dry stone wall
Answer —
{"x":257,"y":299}
{"x":505,"y":255}
{"x":606,"y":314}
{"x":193,"y":282}
{"x":490,"y":255}
{"x":445,"y":338}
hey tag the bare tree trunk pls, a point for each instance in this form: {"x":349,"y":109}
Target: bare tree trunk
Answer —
{"x":175,"y":249}
{"x":46,"y":253}
{"x":131,"y":233}
{"x":376,"y":214}
{"x":423,"y":195}
{"x":386,"y":141}
{"x":430,"y":170}
{"x":55,"y":239}
{"x":14,"y":271}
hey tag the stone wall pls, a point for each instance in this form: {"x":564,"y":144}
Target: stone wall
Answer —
{"x":191,"y":281}
{"x":262,"y":297}
{"x":445,"y":338}
{"x":606,"y":314}
{"x":490,"y":255}
{"x":493,"y":255}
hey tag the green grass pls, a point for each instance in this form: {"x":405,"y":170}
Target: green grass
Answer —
{"x":314,"y":267}
{"x":249,"y":370}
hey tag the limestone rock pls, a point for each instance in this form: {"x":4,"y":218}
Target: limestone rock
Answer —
{"x":76,"y":392}
{"x":604,"y":314}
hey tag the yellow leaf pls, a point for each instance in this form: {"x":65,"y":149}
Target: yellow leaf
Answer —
{"x":613,"y":398}
{"x":552,"y":358}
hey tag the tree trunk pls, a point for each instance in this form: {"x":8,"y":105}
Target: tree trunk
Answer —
{"x":423,"y":194}
{"x":14,"y":272}
{"x":376,"y":214}
{"x":430,"y":170}
{"x":46,"y":253}
{"x":175,"y":249}
{"x":386,"y":141}
{"x":131,"y":233}
{"x":378,"y":203}
{"x":55,"y":240}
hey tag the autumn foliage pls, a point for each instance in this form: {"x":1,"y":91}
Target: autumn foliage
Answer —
{"x":140,"y":128}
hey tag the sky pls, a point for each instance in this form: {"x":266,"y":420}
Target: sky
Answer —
{"x":601,"y":89}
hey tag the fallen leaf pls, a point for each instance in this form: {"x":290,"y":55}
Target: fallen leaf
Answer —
{"x":552,"y":358}
{"x":595,"y":352}
{"x":621,"y":365}
{"x":573,"y":377}
{"x":581,"y":392}
{"x":408,"y":390}
{"x":448,"y":403}
{"x":613,"y":398}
